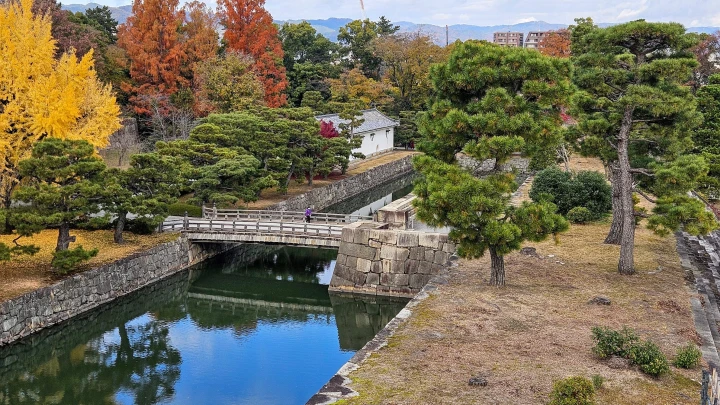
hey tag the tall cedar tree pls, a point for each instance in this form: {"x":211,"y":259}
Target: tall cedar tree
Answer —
{"x":637,"y":113}
{"x":152,"y":39}
{"x":146,"y":189}
{"x":489,"y":102}
{"x":199,"y":32}
{"x":42,"y":97}
{"x":249,"y":29}
{"x":64,"y":186}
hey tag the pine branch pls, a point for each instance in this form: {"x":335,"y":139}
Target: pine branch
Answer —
{"x":642,"y":193}
{"x":643,"y":171}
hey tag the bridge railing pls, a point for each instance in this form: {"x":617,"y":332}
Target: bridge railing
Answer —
{"x":280,"y":216}
{"x":254,"y":227}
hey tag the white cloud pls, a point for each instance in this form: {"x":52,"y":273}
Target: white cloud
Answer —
{"x":524,"y":20}
{"x":628,"y":13}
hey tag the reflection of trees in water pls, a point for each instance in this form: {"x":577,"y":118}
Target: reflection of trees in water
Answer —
{"x":142,"y":363}
{"x":283,"y":263}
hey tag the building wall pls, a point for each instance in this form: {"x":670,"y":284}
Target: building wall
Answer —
{"x":382,"y":141}
{"x":512,"y":39}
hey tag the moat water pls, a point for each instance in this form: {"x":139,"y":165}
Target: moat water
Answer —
{"x":255,"y":325}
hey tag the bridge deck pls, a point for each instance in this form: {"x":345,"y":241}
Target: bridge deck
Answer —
{"x":286,"y":233}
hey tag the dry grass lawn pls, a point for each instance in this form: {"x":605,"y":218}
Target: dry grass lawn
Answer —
{"x":536,"y":330}
{"x":27,"y":273}
{"x":272,"y":196}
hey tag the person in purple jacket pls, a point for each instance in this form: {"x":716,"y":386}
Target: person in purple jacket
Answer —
{"x":308,"y":214}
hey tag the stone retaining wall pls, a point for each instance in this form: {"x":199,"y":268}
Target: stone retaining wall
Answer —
{"x":29,"y":313}
{"x":479,"y":168}
{"x":321,"y":198}
{"x":389,"y":262}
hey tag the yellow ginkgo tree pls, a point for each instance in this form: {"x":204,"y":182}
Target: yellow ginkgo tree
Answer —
{"x":44,"y":97}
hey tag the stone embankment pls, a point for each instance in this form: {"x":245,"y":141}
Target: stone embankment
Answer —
{"x":321,"y":198}
{"x":21,"y":316}
{"x":389,"y":262}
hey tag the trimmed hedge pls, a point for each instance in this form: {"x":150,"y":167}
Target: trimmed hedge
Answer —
{"x":178,"y":209}
{"x":586,"y":189}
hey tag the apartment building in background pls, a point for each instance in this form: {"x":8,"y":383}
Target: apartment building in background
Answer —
{"x":513,"y":39}
{"x":533,"y":39}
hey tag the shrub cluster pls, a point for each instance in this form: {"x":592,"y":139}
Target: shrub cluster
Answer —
{"x":626,"y":343}
{"x":178,"y":209}
{"x":579,"y":215}
{"x":688,"y":356}
{"x":585,"y":189}
{"x":575,"y":390}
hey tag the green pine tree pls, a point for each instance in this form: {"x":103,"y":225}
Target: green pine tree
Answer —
{"x":489,"y":102}
{"x":64,"y":187}
{"x":636,"y":112}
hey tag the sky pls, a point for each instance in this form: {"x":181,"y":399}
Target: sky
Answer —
{"x":691,"y":13}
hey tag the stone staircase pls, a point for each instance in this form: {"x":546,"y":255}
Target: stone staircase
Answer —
{"x":700,"y":257}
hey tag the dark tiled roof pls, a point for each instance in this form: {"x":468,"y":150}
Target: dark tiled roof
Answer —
{"x":373,"y":120}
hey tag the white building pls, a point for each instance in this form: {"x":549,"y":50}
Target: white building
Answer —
{"x":377,"y":131}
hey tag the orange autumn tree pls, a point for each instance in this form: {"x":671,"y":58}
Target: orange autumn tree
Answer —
{"x":249,"y":29}
{"x":556,"y":43}
{"x":200,"y":35}
{"x":151,"y":37}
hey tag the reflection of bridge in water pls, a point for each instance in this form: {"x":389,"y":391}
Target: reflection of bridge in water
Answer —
{"x":240,"y":301}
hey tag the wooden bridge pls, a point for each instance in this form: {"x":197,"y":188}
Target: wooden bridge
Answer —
{"x":257,"y":226}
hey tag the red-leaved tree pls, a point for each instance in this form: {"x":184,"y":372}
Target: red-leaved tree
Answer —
{"x":249,"y":29}
{"x":327,"y":130}
{"x":157,"y":53}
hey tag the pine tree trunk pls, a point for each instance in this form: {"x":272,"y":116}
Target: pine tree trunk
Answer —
{"x":627,"y":240}
{"x":64,"y":238}
{"x":6,"y":228}
{"x":310,"y":178}
{"x":497,"y":269}
{"x":613,"y":237}
{"x":120,"y":227}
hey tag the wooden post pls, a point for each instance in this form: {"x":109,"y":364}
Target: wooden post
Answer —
{"x":214,"y":210}
{"x":203,"y":211}
{"x":186,"y":221}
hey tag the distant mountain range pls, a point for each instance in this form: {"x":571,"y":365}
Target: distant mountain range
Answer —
{"x":120,"y":14}
{"x":331,"y":26}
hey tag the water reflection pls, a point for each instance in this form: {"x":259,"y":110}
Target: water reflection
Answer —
{"x":370,"y":201}
{"x":255,"y":326}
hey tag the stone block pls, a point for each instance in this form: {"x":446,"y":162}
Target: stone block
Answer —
{"x":417,"y":253}
{"x":361,"y":236}
{"x":411,"y":266}
{"x":429,"y":254}
{"x":384,"y":236}
{"x":376,"y":267}
{"x":399,"y":280}
{"x":341,"y":259}
{"x":355,"y":250}
{"x":337,"y":281}
{"x":436,"y":268}
{"x":397,"y":266}
{"x":388,"y":252}
{"x":407,"y":239}
{"x":440,"y":257}
{"x":449,"y":247}
{"x":418,"y":281}
{"x":425,"y":267}
{"x":363,"y":265}
{"x":386,"y":266}
{"x":402,"y":254}
{"x":431,"y":240}
{"x":351,"y":262}
{"x":372,"y":279}
{"x":374,"y":244}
